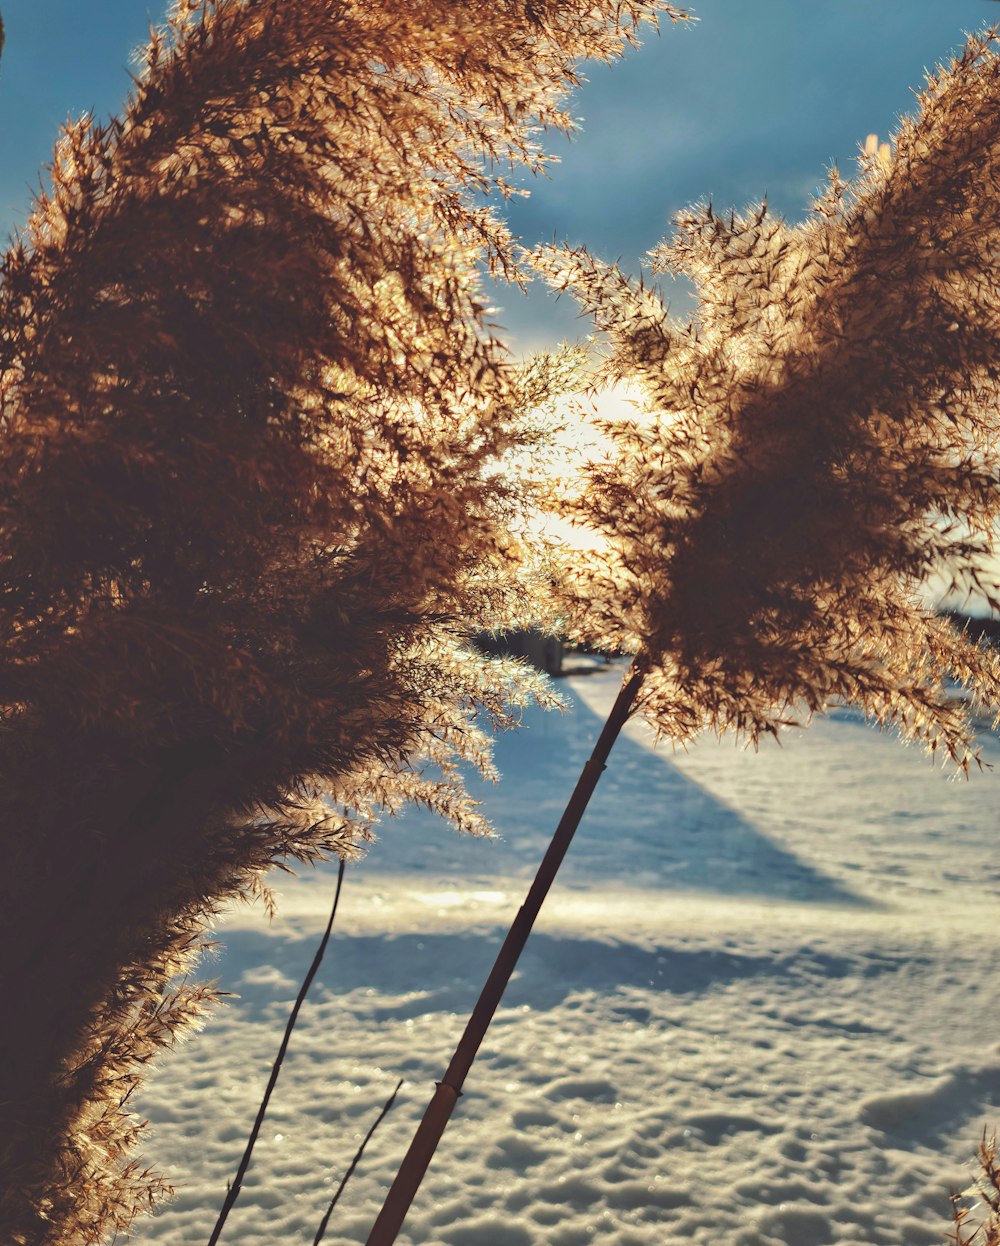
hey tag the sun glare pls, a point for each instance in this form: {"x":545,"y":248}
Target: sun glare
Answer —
{"x":578,"y":439}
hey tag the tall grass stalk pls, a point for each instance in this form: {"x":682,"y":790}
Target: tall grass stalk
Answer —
{"x":387,"y":1108}
{"x":441,"y":1106}
{"x":233,"y":1192}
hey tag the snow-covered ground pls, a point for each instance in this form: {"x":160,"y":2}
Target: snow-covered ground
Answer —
{"x":760,"y":1007}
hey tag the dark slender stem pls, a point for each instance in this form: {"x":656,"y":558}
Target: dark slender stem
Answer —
{"x":435,"y":1119}
{"x":354,"y":1163}
{"x":233,"y":1192}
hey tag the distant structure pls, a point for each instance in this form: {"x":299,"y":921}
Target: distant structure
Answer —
{"x":542,"y":651}
{"x":978,"y":627}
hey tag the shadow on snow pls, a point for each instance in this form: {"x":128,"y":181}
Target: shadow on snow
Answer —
{"x":648,"y":825}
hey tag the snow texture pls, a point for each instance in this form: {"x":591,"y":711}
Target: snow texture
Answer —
{"x":757,"y":1008}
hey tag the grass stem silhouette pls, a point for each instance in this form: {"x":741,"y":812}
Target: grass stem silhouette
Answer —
{"x":233,"y":1193}
{"x":441,"y":1106}
{"x":387,"y":1108}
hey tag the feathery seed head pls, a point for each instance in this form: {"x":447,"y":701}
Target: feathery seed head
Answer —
{"x":822,"y":438}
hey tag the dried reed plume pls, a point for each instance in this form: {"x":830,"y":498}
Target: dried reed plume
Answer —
{"x":821,"y":439}
{"x":252,"y":504}
{"x":982,"y":1229}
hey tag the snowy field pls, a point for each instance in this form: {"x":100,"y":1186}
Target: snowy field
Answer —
{"x":760,"y":1007}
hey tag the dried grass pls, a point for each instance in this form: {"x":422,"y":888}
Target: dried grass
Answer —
{"x":977,"y":1223}
{"x":822,"y":438}
{"x":251,"y":505}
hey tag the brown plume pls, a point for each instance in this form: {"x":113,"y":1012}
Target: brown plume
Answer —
{"x":251,"y":506}
{"x":820,"y":440}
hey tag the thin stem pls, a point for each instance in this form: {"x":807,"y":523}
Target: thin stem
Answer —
{"x":435,"y":1119}
{"x":233,"y":1192}
{"x":354,"y":1163}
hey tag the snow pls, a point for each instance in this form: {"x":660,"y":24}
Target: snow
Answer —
{"x":756,"y":1009}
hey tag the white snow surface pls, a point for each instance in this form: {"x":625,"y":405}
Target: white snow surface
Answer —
{"x":759,"y":1007}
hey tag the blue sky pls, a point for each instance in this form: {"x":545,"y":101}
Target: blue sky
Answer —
{"x":759,"y":96}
